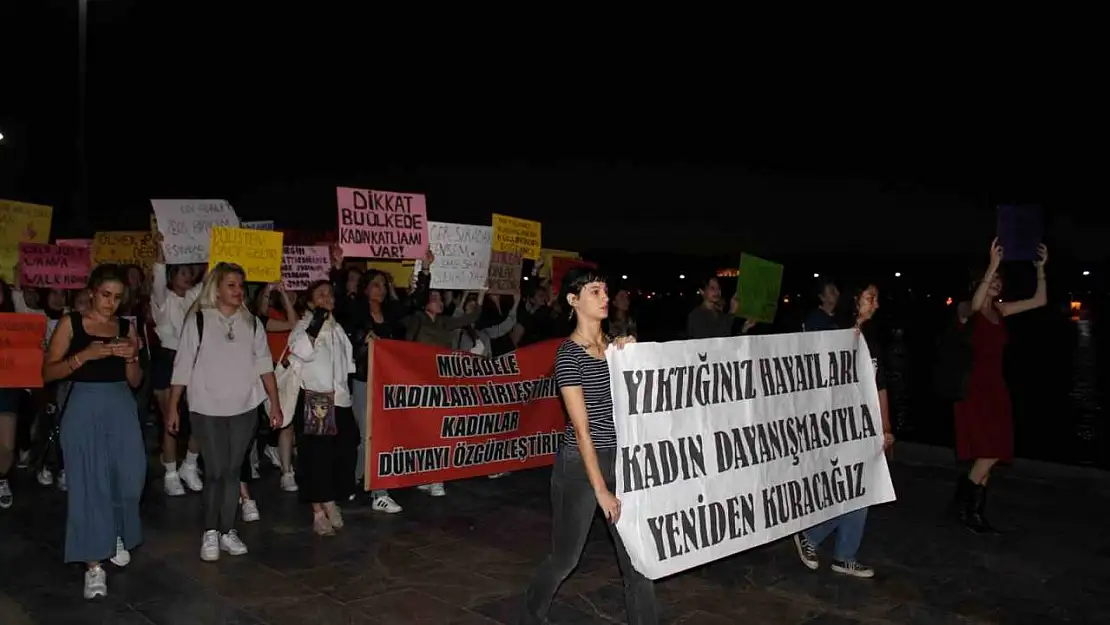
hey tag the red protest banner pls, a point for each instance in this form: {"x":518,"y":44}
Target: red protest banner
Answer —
{"x":21,"y":351}
{"x":437,"y":415}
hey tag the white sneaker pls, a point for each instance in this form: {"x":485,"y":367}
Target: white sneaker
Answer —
{"x":272,"y":455}
{"x":61,"y":481}
{"x":45,"y":477}
{"x":191,"y":476}
{"x":96,"y":583}
{"x":172,"y":484}
{"x":6,"y":498}
{"x":123,"y":556}
{"x":210,"y":546}
{"x":385,"y":504}
{"x":289,"y":482}
{"x":250,"y":510}
{"x":436,"y":489}
{"x":230,"y":543}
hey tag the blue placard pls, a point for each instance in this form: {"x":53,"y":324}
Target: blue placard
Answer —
{"x":1020,"y":231}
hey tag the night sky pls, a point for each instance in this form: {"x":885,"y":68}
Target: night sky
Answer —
{"x":648,"y":146}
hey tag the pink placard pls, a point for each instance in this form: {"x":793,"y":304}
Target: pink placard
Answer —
{"x":382,"y":224}
{"x":75,"y":242}
{"x":53,"y":266}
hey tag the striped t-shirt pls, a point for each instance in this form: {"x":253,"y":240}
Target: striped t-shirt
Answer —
{"x":575,"y":367}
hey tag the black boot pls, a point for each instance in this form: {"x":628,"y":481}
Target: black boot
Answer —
{"x":981,"y":511}
{"x":973,"y":517}
{"x":957,"y":508}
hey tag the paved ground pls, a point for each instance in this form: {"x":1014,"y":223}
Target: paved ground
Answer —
{"x":466,"y":558}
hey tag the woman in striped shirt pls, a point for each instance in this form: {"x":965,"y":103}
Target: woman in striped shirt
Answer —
{"x":583,"y":478}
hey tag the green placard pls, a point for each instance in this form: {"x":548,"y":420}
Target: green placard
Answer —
{"x":758,"y":286}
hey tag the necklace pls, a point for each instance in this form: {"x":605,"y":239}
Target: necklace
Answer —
{"x":598,"y":346}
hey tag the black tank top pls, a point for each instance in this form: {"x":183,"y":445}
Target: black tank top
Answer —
{"x":110,"y":369}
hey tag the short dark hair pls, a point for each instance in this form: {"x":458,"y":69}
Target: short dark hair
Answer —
{"x":577,"y":278}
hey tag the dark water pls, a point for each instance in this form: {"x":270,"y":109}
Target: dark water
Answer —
{"x":1052,"y":370}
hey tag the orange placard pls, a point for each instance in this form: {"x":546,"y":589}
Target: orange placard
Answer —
{"x":21,"y":353}
{"x":438,"y":415}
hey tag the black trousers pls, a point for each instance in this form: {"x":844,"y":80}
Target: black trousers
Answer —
{"x":326,"y":464}
{"x":223,"y":441}
{"x":573,"y":507}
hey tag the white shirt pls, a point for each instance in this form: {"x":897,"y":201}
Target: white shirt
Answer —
{"x":168,"y":308}
{"x":326,"y":364}
{"x":225,"y":381}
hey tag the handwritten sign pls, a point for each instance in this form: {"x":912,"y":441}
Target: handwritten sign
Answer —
{"x":462,"y":255}
{"x":382,"y":224}
{"x":75,"y":242}
{"x":125,"y":248}
{"x":512,"y":234}
{"x":186,"y":227}
{"x":505,"y":271}
{"x":400,"y":271}
{"x":301,"y":266}
{"x":53,"y":266}
{"x":20,"y":222}
{"x":258,"y":252}
{"x":758,"y":286}
{"x":259,"y":225}
{"x":21,"y":351}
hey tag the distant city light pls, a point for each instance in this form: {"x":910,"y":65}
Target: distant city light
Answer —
{"x":1,"y":136}
{"x":681,"y":276}
{"x":816,"y":275}
{"x":624,"y":276}
{"x":786,"y":300}
{"x":1086,"y":273}
{"x":525,"y":278}
{"x":897,"y":274}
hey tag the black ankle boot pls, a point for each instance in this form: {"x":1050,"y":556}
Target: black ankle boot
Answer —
{"x":973,"y":510}
{"x":981,"y":511}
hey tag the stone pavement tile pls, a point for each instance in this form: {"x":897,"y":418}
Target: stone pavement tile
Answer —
{"x":346,"y":582}
{"x":459,"y":586}
{"x":698,"y":617}
{"x":508,"y":610}
{"x":317,"y":609}
{"x":204,"y":608}
{"x":762,"y":606}
{"x":831,"y":619}
{"x":919,"y":614}
{"x":407,"y":606}
{"x":240,"y":579}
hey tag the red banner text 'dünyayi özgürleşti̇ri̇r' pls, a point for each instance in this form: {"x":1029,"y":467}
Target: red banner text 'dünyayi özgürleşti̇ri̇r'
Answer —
{"x":438,"y":415}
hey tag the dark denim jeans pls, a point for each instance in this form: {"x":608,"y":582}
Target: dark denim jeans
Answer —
{"x":573,"y":506}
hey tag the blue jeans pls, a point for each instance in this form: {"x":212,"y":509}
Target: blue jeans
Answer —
{"x":849,"y":533}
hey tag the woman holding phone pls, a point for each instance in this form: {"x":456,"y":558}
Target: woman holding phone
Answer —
{"x":100,"y":434}
{"x":583,"y":478}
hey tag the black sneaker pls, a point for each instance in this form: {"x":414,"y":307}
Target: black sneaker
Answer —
{"x":807,"y":551}
{"x":853,"y":568}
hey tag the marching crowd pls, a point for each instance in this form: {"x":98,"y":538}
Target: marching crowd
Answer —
{"x":238,"y":373}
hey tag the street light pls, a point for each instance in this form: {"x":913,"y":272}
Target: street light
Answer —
{"x":1,"y":136}
{"x":816,"y":275}
{"x":1086,"y":273}
{"x":681,"y":276}
{"x":624,"y":277}
{"x":897,"y":274}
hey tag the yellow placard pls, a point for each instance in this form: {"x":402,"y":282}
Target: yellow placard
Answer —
{"x":548,"y":256}
{"x":20,"y":222}
{"x":258,"y":252}
{"x":512,"y":234}
{"x":399,"y":270}
{"x":124,"y":248}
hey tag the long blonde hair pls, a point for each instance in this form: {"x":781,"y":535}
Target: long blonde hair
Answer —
{"x":210,"y":289}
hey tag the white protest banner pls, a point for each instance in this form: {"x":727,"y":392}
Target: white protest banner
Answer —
{"x":303,"y":265}
{"x":462,"y":255}
{"x":186,"y":227}
{"x":726,"y":444}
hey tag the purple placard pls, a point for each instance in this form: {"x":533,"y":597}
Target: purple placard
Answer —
{"x":1020,"y":231}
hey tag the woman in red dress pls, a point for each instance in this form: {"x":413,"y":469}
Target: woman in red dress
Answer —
{"x":984,"y":423}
